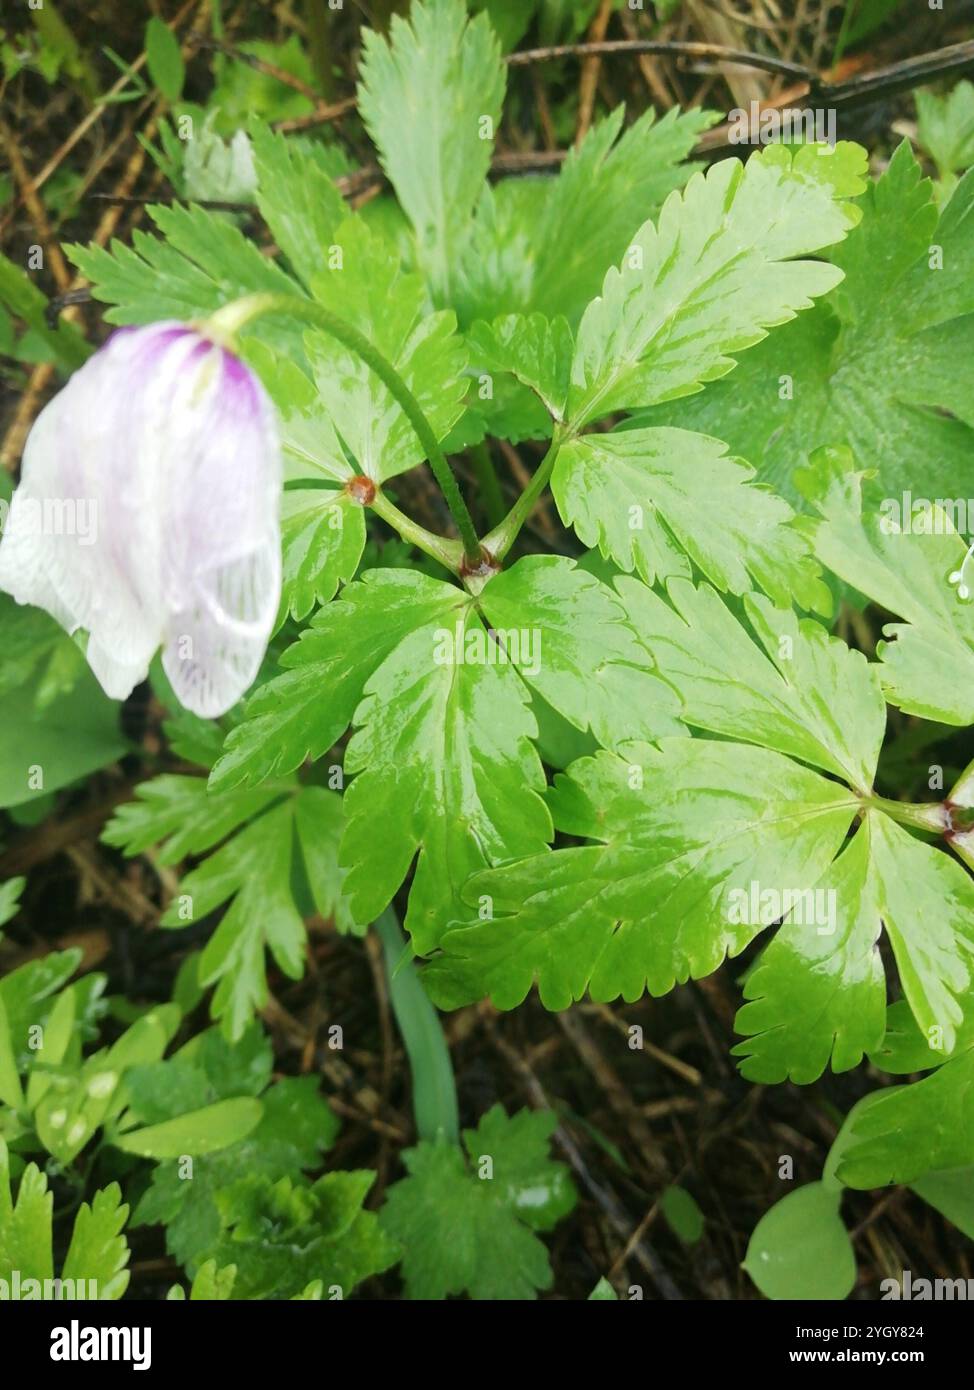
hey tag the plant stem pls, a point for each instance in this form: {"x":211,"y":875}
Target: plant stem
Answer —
{"x":448,"y":553}
{"x":434,"y":1088}
{"x":490,"y":488}
{"x":226,"y":322}
{"x":928,"y":815}
{"x":499,"y":541}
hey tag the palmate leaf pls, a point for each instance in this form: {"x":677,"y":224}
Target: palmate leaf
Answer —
{"x":289,"y":830}
{"x":465,"y":1226}
{"x":544,"y":244}
{"x":882,"y":365}
{"x":905,"y":563}
{"x":444,"y":753}
{"x":431,"y":98}
{"x":713,"y":276}
{"x":816,"y":992}
{"x":678,"y":829}
{"x":690,"y":836}
{"x":98,"y":1252}
{"x":653,"y":500}
{"x":808,"y":695}
{"x":203,"y":262}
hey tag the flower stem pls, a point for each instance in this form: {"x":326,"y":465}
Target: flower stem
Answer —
{"x":448,"y":553}
{"x":490,"y":488}
{"x":499,"y":541}
{"x":232,"y":317}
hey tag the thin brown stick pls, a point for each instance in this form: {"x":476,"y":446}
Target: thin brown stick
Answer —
{"x":677,"y":48}
{"x":589,"y":79}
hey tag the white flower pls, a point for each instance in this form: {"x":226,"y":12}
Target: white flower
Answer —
{"x":147,"y":515}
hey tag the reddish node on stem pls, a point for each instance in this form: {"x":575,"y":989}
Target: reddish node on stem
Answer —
{"x":483,"y":569}
{"x":361,"y":490}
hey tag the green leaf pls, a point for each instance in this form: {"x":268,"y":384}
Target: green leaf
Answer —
{"x":817,"y":995}
{"x":297,"y":197}
{"x":97,"y":1252}
{"x":952,"y":1194}
{"x":510,"y":19}
{"x":322,"y":536}
{"x":282,"y":1236}
{"x":294,"y":830}
{"x":653,"y":500}
{"x":53,"y":742}
{"x":466,"y":1220}
{"x":535,"y":350}
{"x":545,"y":244}
{"x":201,"y":262}
{"x":25,"y":1224}
{"x":681,"y":830}
{"x":800,"y":1249}
{"x":683,"y":1214}
{"x":446,"y":769}
{"x":898,"y":1135}
{"x":302,"y":713}
{"x":164,"y":59}
{"x":71,"y":1102}
{"x":431,"y":99}
{"x":295,"y":1124}
{"x":566,"y":634}
{"x":367,"y":288}
{"x":179,"y":815}
{"x":790,"y":687}
{"x":10,"y":892}
{"x":906,"y":564}
{"x":928,"y":911}
{"x":883,"y":365}
{"x":23,"y":993}
{"x":209,"y":1284}
{"x":716,"y":274}
{"x":443,"y":745}
{"x":198,"y":1132}
{"x":906,"y":1049}
{"x":21,"y":296}
{"x":945,"y":127}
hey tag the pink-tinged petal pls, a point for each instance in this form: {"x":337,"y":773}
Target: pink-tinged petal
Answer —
{"x":166,"y":446}
{"x":215,"y":647}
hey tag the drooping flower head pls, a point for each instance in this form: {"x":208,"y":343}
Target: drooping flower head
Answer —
{"x":147,"y":515}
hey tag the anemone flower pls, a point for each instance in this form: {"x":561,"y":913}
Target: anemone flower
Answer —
{"x":147,"y":515}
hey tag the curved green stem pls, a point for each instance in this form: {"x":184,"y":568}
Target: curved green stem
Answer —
{"x":448,"y":553}
{"x":499,"y":541}
{"x":232,"y":317}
